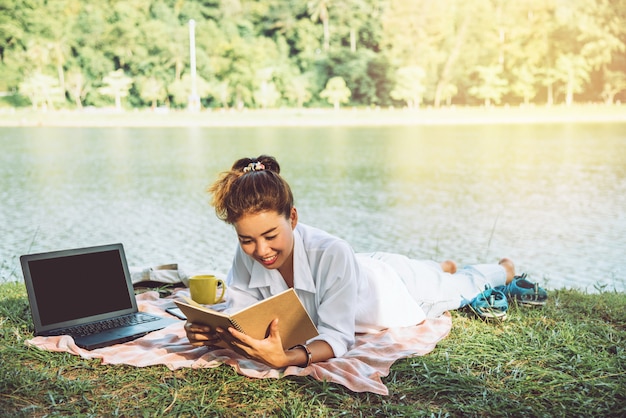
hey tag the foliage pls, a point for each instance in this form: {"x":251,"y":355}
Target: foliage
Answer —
{"x":491,"y":86}
{"x":42,"y":90}
{"x":270,"y":53}
{"x":409,"y":86}
{"x":116,"y":85}
{"x":336,"y":92}
{"x":566,"y":359}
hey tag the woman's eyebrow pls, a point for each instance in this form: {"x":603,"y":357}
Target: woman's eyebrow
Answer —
{"x":263,"y":233}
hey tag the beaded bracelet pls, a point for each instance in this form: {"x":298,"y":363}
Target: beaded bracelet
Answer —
{"x":309,"y":356}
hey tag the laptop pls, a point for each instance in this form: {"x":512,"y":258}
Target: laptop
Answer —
{"x":86,"y":293}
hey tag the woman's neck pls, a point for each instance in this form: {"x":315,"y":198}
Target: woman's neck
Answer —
{"x":286,"y":270}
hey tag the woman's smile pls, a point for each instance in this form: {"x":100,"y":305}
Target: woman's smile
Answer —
{"x":268,"y":261}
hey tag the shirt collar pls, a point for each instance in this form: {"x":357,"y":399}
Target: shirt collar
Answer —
{"x":303,"y":279}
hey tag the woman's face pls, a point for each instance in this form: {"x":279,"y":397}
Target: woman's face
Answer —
{"x":267,"y":237}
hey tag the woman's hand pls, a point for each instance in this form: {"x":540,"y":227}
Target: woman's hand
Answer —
{"x":200,"y":335}
{"x":268,"y":350}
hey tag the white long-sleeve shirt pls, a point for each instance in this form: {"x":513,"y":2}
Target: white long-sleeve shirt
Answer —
{"x":342,"y":292}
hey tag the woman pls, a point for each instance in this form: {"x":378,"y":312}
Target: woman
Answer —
{"x":343,"y":292}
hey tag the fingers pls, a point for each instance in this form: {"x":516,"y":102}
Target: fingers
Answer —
{"x":250,"y":344}
{"x":200,"y":335}
{"x":234,"y":338}
{"x":274,"y":331}
{"x":191,"y":327}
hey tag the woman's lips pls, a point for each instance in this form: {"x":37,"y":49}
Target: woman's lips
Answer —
{"x":268,"y":261}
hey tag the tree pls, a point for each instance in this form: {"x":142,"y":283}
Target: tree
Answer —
{"x":446,"y":75}
{"x":318,"y":9}
{"x":297,"y":90}
{"x":220,"y":92}
{"x":491,"y":86}
{"x":116,"y":85}
{"x":354,"y":68}
{"x":151,"y":90}
{"x":573,"y":70}
{"x":336,"y":92}
{"x":60,"y":41}
{"x":614,"y":83}
{"x":180,"y":90}
{"x":543,"y":48}
{"x":580,"y":36}
{"x":76,"y":86}
{"x":446,"y":38}
{"x":356,"y":23}
{"x":524,"y":83}
{"x":410,"y":86}
{"x":42,"y":90}
{"x":266,"y":96}
{"x":447,"y":92}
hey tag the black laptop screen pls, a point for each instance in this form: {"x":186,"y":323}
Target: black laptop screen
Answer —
{"x":78,"y":286}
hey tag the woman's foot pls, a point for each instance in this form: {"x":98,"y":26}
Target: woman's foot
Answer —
{"x":448,"y":266}
{"x":509,"y":267}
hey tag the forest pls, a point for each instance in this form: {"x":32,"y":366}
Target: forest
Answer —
{"x":125,"y":54}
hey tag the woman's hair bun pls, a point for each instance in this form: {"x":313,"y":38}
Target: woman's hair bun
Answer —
{"x":268,"y":163}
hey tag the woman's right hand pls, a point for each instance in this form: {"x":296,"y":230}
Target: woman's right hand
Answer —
{"x":200,"y":335}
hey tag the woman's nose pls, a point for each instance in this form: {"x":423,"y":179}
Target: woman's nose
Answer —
{"x":261,"y":248}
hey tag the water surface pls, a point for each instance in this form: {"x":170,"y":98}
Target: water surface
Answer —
{"x":552,"y":197}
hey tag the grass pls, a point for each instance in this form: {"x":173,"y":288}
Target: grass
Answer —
{"x":566,"y":359}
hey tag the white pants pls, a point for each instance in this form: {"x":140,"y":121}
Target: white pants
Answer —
{"x":427,"y":284}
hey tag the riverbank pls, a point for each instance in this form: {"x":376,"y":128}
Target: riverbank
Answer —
{"x":566,"y":359}
{"x":313,"y":117}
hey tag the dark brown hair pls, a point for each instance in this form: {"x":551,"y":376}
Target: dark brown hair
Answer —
{"x":241,"y":190}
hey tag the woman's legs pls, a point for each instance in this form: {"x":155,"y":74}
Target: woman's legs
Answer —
{"x":509,"y":267}
{"x":450,"y":266}
{"x":437,"y":290}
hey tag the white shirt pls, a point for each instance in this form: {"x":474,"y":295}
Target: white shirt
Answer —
{"x":342,"y":292}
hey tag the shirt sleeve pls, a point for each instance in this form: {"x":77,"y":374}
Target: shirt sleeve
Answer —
{"x":336,"y":273}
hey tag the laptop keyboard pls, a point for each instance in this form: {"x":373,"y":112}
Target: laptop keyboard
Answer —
{"x":105,"y":325}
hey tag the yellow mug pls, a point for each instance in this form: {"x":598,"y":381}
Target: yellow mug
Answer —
{"x":204,"y":289}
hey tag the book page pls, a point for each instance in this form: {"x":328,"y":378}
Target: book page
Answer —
{"x":205,"y":316}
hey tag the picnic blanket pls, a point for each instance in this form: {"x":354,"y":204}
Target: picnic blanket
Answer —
{"x":359,"y":370}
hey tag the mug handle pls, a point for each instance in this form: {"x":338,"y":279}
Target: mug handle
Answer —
{"x":217,"y":283}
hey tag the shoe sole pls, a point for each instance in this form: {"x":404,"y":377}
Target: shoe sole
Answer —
{"x":530,"y":303}
{"x":490,"y":315}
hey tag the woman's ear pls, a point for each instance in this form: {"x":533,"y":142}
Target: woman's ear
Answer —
{"x":293,"y":218}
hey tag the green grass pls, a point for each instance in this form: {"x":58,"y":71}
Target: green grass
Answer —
{"x":567,"y":359}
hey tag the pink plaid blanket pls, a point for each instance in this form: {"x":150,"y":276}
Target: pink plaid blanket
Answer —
{"x":360,"y":369}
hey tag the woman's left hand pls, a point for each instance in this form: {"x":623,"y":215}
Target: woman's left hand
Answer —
{"x":268,"y":350}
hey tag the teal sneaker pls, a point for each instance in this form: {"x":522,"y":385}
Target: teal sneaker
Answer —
{"x":524,"y":292}
{"x":490,"y":304}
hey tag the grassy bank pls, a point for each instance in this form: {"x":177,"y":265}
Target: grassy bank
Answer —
{"x":314,"y":117}
{"x":567,"y":359}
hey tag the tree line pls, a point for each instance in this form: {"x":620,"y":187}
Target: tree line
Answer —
{"x":298,"y":53}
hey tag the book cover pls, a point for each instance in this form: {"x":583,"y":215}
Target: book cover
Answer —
{"x":296,"y":327}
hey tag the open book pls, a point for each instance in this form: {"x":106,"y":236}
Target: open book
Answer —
{"x":294,"y":323}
